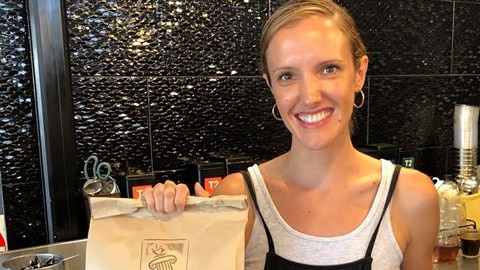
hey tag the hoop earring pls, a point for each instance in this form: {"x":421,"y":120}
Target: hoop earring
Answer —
{"x":273,"y":113}
{"x":361,"y":103}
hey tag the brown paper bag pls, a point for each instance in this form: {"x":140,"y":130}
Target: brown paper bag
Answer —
{"x":208,"y":235}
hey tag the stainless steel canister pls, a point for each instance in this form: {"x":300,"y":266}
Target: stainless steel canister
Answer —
{"x":465,"y":121}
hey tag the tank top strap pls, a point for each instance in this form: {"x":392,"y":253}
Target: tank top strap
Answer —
{"x":393,"y":183}
{"x":251,"y":190}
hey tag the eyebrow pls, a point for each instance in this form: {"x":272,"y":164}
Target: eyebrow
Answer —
{"x":322,"y":63}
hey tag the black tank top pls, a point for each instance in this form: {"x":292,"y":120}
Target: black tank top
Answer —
{"x":276,"y":262}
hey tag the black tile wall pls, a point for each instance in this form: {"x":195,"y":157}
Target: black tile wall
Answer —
{"x":153,"y":37}
{"x":159,"y":83}
{"x":405,"y":37}
{"x":417,"y":110}
{"x":111,"y":121}
{"x":19,"y":157}
{"x":466,"y":51}
{"x":194,"y":116}
{"x":25,"y":215}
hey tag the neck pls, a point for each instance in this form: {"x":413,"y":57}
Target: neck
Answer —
{"x":314,"y":168}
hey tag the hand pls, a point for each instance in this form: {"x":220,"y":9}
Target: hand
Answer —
{"x":169,"y":197}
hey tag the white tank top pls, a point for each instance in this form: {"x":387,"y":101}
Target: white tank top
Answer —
{"x":307,"y":249}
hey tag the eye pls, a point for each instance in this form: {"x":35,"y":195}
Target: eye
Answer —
{"x":285,"y":76}
{"x":330,"y":69}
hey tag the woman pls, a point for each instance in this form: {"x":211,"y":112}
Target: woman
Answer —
{"x":321,"y":201}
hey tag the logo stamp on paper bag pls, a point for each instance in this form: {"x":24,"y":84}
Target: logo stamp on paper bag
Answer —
{"x":164,"y":254}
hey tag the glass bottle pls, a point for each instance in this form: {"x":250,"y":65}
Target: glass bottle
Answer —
{"x":452,"y":216}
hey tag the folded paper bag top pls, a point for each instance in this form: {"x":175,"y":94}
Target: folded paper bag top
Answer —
{"x":209,"y":234}
{"x":107,"y":207}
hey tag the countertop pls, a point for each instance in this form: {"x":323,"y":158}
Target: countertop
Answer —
{"x":460,"y":263}
{"x":78,"y":247}
{"x":65,"y":249}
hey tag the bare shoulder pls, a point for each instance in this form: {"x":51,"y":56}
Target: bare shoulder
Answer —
{"x":415,"y":189}
{"x":415,"y":203}
{"x":415,"y":218}
{"x":232,"y":184}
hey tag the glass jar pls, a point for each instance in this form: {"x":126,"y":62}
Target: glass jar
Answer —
{"x":452,"y":217}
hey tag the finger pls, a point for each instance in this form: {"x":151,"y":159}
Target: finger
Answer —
{"x":158,"y":195}
{"x":181,"y":195}
{"x":169,"y":193}
{"x":147,"y":196}
{"x":200,"y":191}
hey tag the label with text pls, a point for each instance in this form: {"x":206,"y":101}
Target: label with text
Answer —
{"x":137,"y":190}
{"x":211,"y":183}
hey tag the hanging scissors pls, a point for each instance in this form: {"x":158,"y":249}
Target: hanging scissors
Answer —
{"x":97,"y":175}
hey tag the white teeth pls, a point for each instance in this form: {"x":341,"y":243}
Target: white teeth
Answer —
{"x":312,"y":118}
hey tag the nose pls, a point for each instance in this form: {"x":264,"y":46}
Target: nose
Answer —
{"x":311,"y":89}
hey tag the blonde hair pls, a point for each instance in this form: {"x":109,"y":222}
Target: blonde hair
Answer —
{"x":296,"y":10}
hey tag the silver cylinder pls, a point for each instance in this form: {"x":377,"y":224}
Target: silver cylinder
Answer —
{"x":465,"y":142}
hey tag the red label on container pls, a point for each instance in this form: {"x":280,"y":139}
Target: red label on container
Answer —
{"x":137,"y":191}
{"x":211,"y":183}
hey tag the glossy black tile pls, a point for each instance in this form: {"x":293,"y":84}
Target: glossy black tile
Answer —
{"x":111,"y":121}
{"x":159,"y":37}
{"x":24,"y":215}
{"x":193,"y":116}
{"x":19,"y":156}
{"x":418,"y":111}
{"x":466,"y":48}
{"x":405,"y":37}
{"x":19,"y":162}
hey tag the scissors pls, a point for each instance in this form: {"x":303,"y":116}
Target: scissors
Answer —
{"x":98,"y":177}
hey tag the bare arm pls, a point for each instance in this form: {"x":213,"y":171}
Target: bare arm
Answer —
{"x":234,"y":184}
{"x":415,"y":213}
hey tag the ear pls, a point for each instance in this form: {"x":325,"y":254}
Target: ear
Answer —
{"x":361,"y":72}
{"x":267,"y":80}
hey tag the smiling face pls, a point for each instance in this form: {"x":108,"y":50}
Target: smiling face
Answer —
{"x":313,"y":77}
